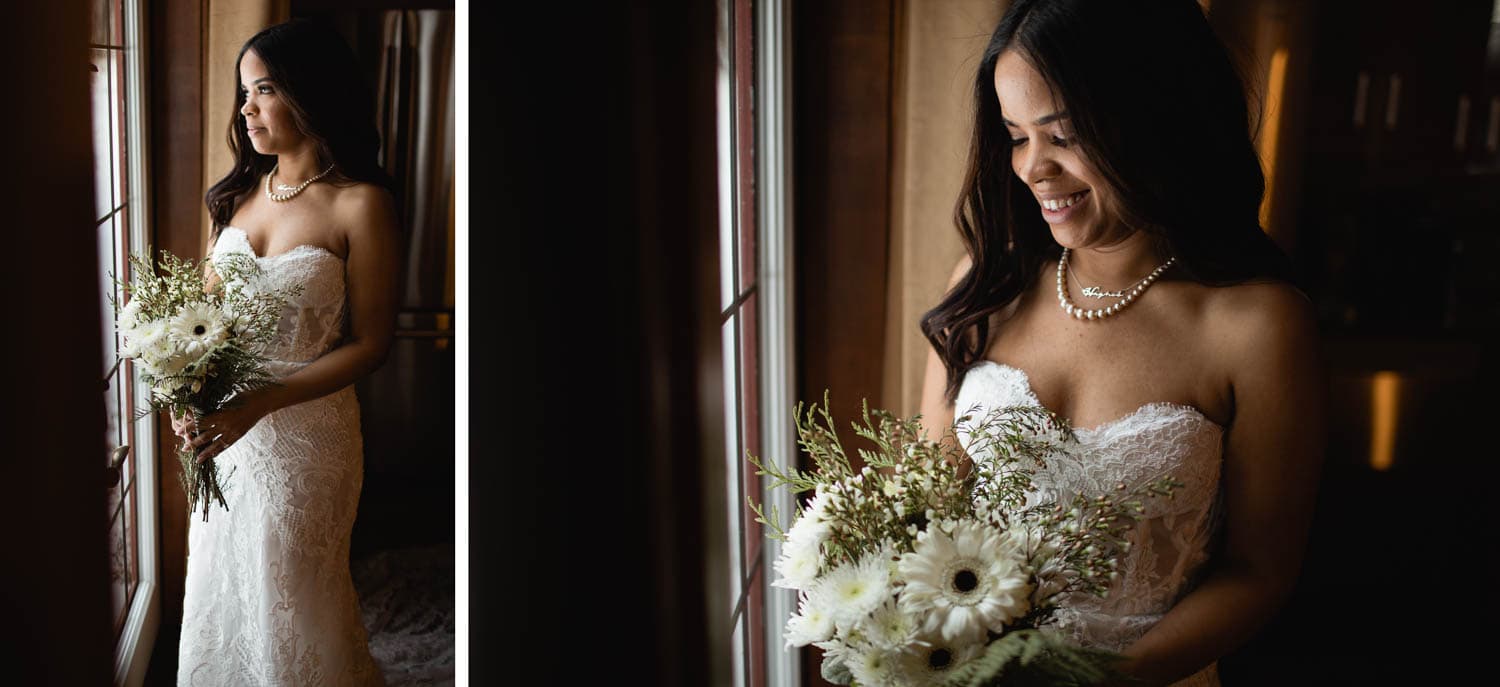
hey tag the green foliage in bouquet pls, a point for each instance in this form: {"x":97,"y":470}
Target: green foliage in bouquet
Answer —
{"x":912,"y":570}
{"x":197,"y":344}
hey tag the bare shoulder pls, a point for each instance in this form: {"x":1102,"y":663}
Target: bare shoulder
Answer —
{"x":364,"y":204}
{"x":365,"y":211}
{"x":1262,"y":328}
{"x":960,"y":269}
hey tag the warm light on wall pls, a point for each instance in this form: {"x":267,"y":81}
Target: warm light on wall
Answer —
{"x":1385,"y":393}
{"x":1271,"y":130}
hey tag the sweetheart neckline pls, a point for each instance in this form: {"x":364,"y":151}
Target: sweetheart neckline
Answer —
{"x":293,"y":249}
{"x":1097,"y":429}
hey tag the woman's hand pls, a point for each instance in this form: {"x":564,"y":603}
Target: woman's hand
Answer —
{"x":184,"y":426}
{"x":220,"y":430}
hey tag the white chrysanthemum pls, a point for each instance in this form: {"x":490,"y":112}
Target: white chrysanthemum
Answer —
{"x":930,"y":659}
{"x":813,"y":622}
{"x":890,"y":626}
{"x":797,"y":566}
{"x":965,"y":582}
{"x":199,"y":328}
{"x":134,"y":336}
{"x":157,"y":351}
{"x":853,"y":590}
{"x":129,"y":316}
{"x":813,"y":527}
{"x":876,"y":666}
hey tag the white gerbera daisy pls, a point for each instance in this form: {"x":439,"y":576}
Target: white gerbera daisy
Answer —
{"x":199,"y":328}
{"x":853,"y":590}
{"x":930,"y":659}
{"x":812,"y":624}
{"x":964,"y":579}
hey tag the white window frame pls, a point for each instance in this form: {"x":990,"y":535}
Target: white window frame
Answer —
{"x":774,"y":316}
{"x":142,"y":620}
{"x":773,"y":88}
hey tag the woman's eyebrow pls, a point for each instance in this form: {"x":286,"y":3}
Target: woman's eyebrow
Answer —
{"x":1040,"y":122}
{"x":263,"y":78}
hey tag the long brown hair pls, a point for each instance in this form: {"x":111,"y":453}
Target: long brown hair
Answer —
{"x":1158,"y":105}
{"x":319,"y":79}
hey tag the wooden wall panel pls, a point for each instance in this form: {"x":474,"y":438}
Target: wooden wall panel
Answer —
{"x":842,"y":118}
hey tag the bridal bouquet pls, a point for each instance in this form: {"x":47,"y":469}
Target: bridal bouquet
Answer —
{"x":908,"y":574}
{"x":197,"y":344}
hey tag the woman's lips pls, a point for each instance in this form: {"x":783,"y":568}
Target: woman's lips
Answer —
{"x":1059,"y":216}
{"x":255,"y":130}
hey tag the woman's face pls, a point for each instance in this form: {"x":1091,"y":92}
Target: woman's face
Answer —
{"x":266,"y":117}
{"x":1075,"y":200}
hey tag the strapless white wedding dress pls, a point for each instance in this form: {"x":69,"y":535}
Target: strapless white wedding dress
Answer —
{"x":270,"y":600}
{"x":1170,"y":543}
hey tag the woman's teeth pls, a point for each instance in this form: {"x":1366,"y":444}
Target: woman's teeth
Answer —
{"x":1061,"y":203}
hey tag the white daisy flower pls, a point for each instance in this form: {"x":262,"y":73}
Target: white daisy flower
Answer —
{"x":199,"y":328}
{"x":930,"y":658}
{"x":853,"y":590}
{"x":812,"y":624}
{"x":964,"y":580}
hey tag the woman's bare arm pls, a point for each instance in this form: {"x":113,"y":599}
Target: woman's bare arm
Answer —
{"x":937,"y":411}
{"x":1272,"y":461}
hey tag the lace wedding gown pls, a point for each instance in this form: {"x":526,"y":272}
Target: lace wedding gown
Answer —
{"x":1169,"y":544}
{"x":270,"y":600}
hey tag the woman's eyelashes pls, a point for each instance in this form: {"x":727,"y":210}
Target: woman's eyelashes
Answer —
{"x":263,"y":90}
{"x":1059,"y":141}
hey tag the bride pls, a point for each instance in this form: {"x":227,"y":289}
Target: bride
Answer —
{"x":1116,"y":274}
{"x":269,"y":596}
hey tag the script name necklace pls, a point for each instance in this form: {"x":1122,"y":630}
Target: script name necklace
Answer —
{"x":1126,"y":297}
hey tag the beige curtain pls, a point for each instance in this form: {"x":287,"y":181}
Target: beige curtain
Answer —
{"x":938,"y":47}
{"x":415,"y":98}
{"x":229,"y":23}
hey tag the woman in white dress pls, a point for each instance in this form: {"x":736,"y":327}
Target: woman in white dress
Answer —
{"x":1116,"y":274}
{"x":269,"y":598}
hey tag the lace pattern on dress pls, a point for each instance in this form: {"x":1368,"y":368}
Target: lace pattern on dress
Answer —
{"x":1170,"y":543}
{"x":269,"y":598}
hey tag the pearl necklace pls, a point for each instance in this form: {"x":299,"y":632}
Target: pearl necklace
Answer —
{"x":291,"y":191}
{"x":1101,"y":313}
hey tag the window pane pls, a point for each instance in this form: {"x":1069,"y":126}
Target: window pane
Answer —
{"x":101,"y":66}
{"x":104,"y":22}
{"x":117,"y":129}
{"x":733,"y":461}
{"x":119,"y":589}
{"x":107,"y":258}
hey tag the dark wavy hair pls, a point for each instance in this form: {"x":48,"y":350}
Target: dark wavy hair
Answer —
{"x":319,"y":79}
{"x":1159,"y":107}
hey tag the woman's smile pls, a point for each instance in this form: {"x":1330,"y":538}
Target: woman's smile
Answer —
{"x":1058,"y":210}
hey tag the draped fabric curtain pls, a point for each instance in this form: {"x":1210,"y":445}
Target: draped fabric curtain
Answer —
{"x":939,"y":44}
{"x":415,"y":101}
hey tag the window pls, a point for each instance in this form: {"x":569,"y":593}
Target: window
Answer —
{"x":755,"y":265}
{"x":115,"y":78}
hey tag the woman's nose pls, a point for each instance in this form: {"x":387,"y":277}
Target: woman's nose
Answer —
{"x":1036,"y":165}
